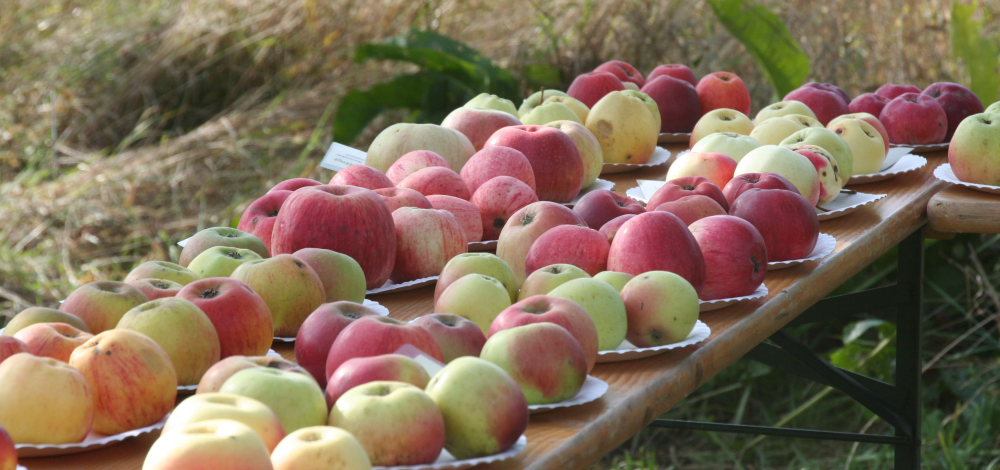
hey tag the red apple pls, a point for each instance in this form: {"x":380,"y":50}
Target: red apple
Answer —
{"x":217,"y":375}
{"x":611,"y":227}
{"x":412,"y":162}
{"x":525,"y":226}
{"x":582,"y":247}
{"x":785,"y":220}
{"x":240,"y":317}
{"x":598,"y":207}
{"x":100,"y":304}
{"x":868,"y":103}
{"x":403,"y":197}
{"x":374,"y":336}
{"x":345,"y":219}
{"x":554,"y":159}
{"x":465,"y":212}
{"x":717,"y":167}
{"x":293,"y":184}
{"x":767,"y":180}
{"x":677,"y":100}
{"x":437,"y":180}
{"x":10,"y":346}
{"x":362,"y":370}
{"x":735,"y":257}
{"x":362,"y":176}
{"x":687,"y":186}
{"x":692,"y":208}
{"x":679,"y":71}
{"x":55,"y":340}
{"x":565,"y":313}
{"x":259,"y":217}
{"x":457,"y":336}
{"x":497,"y":199}
{"x":623,"y":70}
{"x":913,"y":119}
{"x":426,"y":240}
{"x":478,"y":124}
{"x":491,"y":162}
{"x":957,"y":101}
{"x":156,"y":288}
{"x":317,"y":333}
{"x":8,"y":453}
{"x":831,"y":88}
{"x":824,"y":103}
{"x":589,"y":88}
{"x":545,"y":360}
{"x":719,"y":90}
{"x":657,"y":241}
{"x":890,"y":91}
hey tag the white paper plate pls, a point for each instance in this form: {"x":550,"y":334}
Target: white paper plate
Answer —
{"x":447,"y":462}
{"x":674,"y":138}
{"x":91,"y":442}
{"x":945,"y":173}
{"x":659,"y":157}
{"x":645,"y":190}
{"x":593,"y":388}
{"x":627,"y":351}
{"x":846,"y":203}
{"x":598,"y":184}
{"x":377,"y":307}
{"x":904,"y":164}
{"x":825,"y":245}
{"x":709,"y":305}
{"x":390,"y":286}
{"x":483,"y":246}
{"x":923,"y":147}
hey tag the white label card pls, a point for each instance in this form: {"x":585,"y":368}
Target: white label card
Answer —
{"x":649,"y":187}
{"x":431,"y":365}
{"x":340,"y":156}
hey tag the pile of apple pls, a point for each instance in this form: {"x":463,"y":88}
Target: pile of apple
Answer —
{"x":911,"y":116}
{"x":974,"y":152}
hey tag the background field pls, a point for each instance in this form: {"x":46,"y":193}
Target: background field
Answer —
{"x":126,"y":126}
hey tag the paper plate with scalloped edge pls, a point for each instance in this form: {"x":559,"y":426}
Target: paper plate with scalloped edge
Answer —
{"x":447,"y":462}
{"x":846,"y":202}
{"x":659,"y":157}
{"x":709,"y":305}
{"x":923,"y":147}
{"x":674,"y":138}
{"x":825,"y":245}
{"x":593,"y":388}
{"x":91,"y":442}
{"x":628,"y":351}
{"x":945,"y":173}
{"x":899,"y":160}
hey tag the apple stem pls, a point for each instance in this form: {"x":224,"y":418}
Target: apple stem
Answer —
{"x":541,"y":97}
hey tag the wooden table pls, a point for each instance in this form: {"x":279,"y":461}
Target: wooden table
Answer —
{"x":964,"y":210}
{"x":642,"y":390}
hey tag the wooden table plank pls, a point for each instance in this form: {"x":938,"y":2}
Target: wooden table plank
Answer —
{"x":642,"y":390}
{"x":964,"y":210}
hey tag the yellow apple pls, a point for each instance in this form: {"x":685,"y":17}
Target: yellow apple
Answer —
{"x":773,"y":130}
{"x":44,"y":401}
{"x":781,"y":160}
{"x":320,"y":448}
{"x":625,"y":127}
{"x":211,"y":406}
{"x":550,"y":111}
{"x":866,"y":144}
{"x":576,"y":105}
{"x":589,"y":147}
{"x":730,"y":144}
{"x":720,"y":120}
{"x":783,"y":108}
{"x":221,"y":444}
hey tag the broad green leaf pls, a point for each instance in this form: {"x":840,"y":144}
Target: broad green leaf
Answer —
{"x":542,"y":75}
{"x":977,"y":53}
{"x":359,"y":107}
{"x":767,"y":40}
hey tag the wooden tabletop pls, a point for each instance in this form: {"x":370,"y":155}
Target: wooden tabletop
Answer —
{"x":964,"y":210}
{"x":643,"y":389}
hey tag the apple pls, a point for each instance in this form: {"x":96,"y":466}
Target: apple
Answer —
{"x":217,"y":236}
{"x":162,"y":270}
{"x":33,"y":315}
{"x":550,"y":111}
{"x":399,"y":139}
{"x":651,"y":105}
{"x":589,"y":88}
{"x":213,"y":406}
{"x":611,"y":227}
{"x":294,"y":184}
{"x":362,"y":176}
{"x":412,"y":162}
{"x":182,"y":330}
{"x":538,"y":98}
{"x":45,"y":401}
{"x":478,"y":124}
{"x":362,"y":370}
{"x":554,"y":159}
{"x":825,"y":104}
{"x":913,"y":119}
{"x":217,"y":375}
{"x":477,"y":297}
{"x":782,"y":109}
{"x":677,"y":102}
{"x":8,"y":453}
{"x":437,"y":180}
{"x":781,"y":160}
{"x":731,"y":144}
{"x":525,"y":226}
{"x":220,"y":261}
{"x":313,"y":448}
{"x":456,"y":335}
{"x":657,"y":241}
{"x":598,"y":207}
{"x":614,"y":279}
{"x":581,"y":110}
{"x":806,"y":121}
{"x":719,"y":90}
{"x":289,"y":287}
{"x":623,"y":70}
{"x":342,"y":277}
{"x":720,"y":120}
{"x":735,"y":257}
{"x":491,"y":162}
{"x":692,"y":208}
{"x":868,"y":103}
{"x":374,"y":336}
{"x":490,"y":101}
{"x":831,"y":88}
{"x":259,"y":217}
{"x":395,"y":198}
{"x":10,"y":346}
{"x":157,"y":288}
{"x":785,"y":220}
{"x":545,"y":360}
{"x":957,"y":101}
{"x":679,"y":71}
{"x":625,"y":132}
{"x":574,"y":245}
{"x":772,"y":131}
{"x":499,"y":198}
{"x":486,"y":264}
{"x":890,"y":91}
{"x":739,"y":184}
{"x":830,"y":182}
{"x":872,"y":120}
{"x":829,"y":140}
{"x":426,"y":240}
{"x":588,"y":146}
{"x":133,"y":380}
{"x":239,"y":315}
{"x":320,"y":330}
{"x":867,"y":146}
{"x":662,"y":308}
{"x":687,"y":186}
{"x":465,"y":212}
{"x":484,"y":410}
{"x":602,"y":303}
{"x":100,"y":304}
{"x":716,"y":167}
{"x":295,"y":398}
{"x":549,"y":309}
{"x":55,"y":340}
{"x":993,"y":108}
{"x":345,"y":219}
{"x":974,"y":153}
{"x":221,"y":444}
{"x":543,"y":280}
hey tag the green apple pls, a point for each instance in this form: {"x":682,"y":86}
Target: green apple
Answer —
{"x":783,"y":108}
{"x":974,"y":153}
{"x":476,"y":297}
{"x":210,"y":406}
{"x":650,"y":105}
{"x":289,"y":287}
{"x":720,"y":120}
{"x":220,"y":261}
{"x":823,"y":137}
{"x":182,"y":330}
{"x":219,"y":236}
{"x":295,"y":398}
{"x":484,"y":410}
{"x":544,"y":358}
{"x":542,"y":281}
{"x":589,"y":147}
{"x":625,"y":127}
{"x":614,"y":278}
{"x":33,"y":315}
{"x":806,"y":121}
{"x":772,"y":131}
{"x":314,"y":448}
{"x":399,"y":139}
{"x":662,"y":308}
{"x":220,"y":444}
{"x":536,"y":99}
{"x":576,"y":105}
{"x":867,"y":146}
{"x":993,"y":108}
{"x":604,"y":305}
{"x":483,"y":263}
{"x":341,"y":276}
{"x":162,"y":270}
{"x":549,"y":111}
{"x":488,"y":101}
{"x":730,"y":144}
{"x":796,"y":168}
